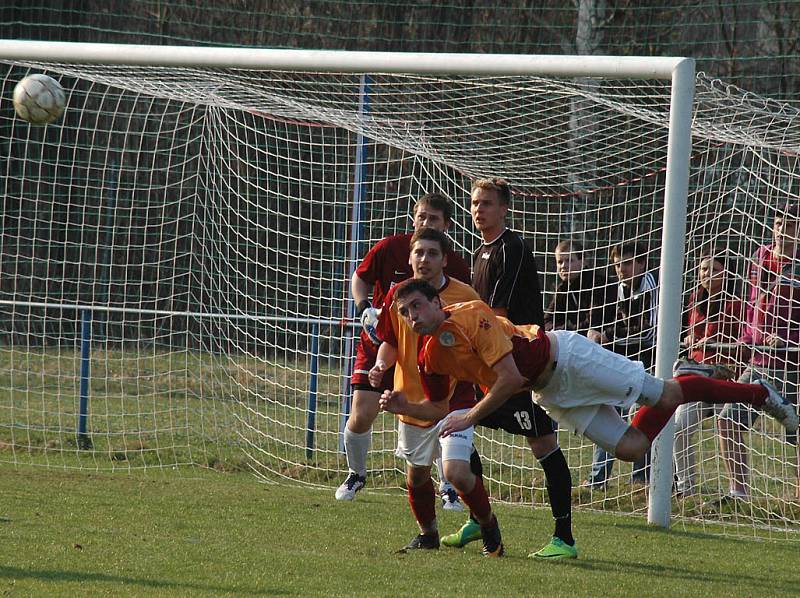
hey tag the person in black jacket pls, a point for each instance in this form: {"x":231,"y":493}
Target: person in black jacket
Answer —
{"x":632,"y":334}
{"x":581,"y":298}
{"x":505,"y":276}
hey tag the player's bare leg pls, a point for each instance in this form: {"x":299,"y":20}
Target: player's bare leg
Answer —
{"x":652,"y":417}
{"x":447,"y":492}
{"x":633,"y":445}
{"x":734,"y":455}
{"x":357,"y":439}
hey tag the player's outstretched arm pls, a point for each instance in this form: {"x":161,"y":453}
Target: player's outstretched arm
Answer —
{"x":509,"y":382}
{"x":395,"y":402}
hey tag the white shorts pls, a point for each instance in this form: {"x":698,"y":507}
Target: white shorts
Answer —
{"x":421,"y":446}
{"x":586,"y":377}
{"x":606,"y":428}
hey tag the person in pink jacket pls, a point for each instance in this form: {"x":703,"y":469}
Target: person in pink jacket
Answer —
{"x":771,"y":335}
{"x":716,"y":315}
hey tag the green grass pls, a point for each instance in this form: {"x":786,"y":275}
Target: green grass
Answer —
{"x":211,"y":534}
{"x":152,"y":409}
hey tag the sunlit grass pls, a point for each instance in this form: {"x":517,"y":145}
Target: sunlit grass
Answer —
{"x":151,"y":408}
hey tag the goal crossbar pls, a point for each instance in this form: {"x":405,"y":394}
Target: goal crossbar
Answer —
{"x":340,"y":61}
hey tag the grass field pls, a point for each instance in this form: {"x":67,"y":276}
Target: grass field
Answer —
{"x":196,"y":533}
{"x":151,"y":410}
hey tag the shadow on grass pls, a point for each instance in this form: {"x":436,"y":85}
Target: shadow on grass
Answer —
{"x":698,"y":535}
{"x":682,"y":533}
{"x":740,"y":581}
{"x":618,"y":521}
{"x":74,"y":576}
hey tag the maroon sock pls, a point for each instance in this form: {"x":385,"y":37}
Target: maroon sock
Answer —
{"x":712,"y":390}
{"x":423,"y":503}
{"x":477,"y":501}
{"x":651,"y":420}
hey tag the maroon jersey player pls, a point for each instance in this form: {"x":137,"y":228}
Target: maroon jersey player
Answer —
{"x":385,"y":265}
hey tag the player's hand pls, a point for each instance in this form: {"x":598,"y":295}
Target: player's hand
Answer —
{"x":774,"y":341}
{"x":369,"y":322}
{"x":594,"y":336}
{"x":454,"y":423}
{"x":393,"y":401}
{"x":376,"y":373}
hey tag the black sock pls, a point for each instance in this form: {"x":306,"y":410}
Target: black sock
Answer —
{"x":475,"y":463}
{"x":559,"y":489}
{"x":476,"y":467}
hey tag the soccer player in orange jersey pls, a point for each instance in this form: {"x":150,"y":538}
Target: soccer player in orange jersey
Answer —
{"x":505,"y":275}
{"x":385,"y":265}
{"x":575,"y":380}
{"x":418,"y":440}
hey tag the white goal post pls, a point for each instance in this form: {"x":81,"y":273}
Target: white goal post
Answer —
{"x":189,"y":226}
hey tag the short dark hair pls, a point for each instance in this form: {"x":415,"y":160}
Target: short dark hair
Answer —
{"x":431,"y":234}
{"x":437,"y":201}
{"x":633,"y":249}
{"x":571,"y":246}
{"x":416,"y":285}
{"x":717,"y":254}
{"x":496,"y":184}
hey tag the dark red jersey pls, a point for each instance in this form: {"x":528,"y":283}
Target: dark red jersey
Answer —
{"x":386,"y":264}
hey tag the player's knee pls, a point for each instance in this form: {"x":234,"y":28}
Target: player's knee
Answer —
{"x":417,"y":476}
{"x":459,"y":475}
{"x":359,"y":423}
{"x":672,"y":395}
{"x":543,"y":445}
{"x":363,"y":412}
{"x":632,"y":446}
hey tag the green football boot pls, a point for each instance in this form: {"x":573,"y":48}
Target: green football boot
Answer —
{"x":469,"y":532}
{"x":556,"y":549}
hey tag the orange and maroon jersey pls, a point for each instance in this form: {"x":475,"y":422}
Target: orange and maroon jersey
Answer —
{"x":393,"y":330}
{"x":386,"y":264}
{"x":471,"y":341}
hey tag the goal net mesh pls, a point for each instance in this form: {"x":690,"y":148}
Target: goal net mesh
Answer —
{"x":175,"y":257}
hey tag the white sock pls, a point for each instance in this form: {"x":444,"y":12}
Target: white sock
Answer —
{"x":652,"y":388}
{"x":356,"y":447}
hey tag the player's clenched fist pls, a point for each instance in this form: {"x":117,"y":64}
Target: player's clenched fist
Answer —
{"x":393,"y":401}
{"x":376,"y":373}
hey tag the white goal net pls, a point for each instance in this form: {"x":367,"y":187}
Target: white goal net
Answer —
{"x":175,"y":256}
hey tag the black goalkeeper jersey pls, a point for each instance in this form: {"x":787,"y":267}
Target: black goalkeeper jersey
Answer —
{"x":504,"y":274}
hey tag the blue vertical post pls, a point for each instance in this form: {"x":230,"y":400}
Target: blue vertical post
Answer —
{"x":84,"y":440}
{"x":356,"y":229}
{"x":311,"y":422}
{"x":108,"y":239}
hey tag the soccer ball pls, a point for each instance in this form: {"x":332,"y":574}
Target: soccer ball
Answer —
{"x":39,"y":99}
